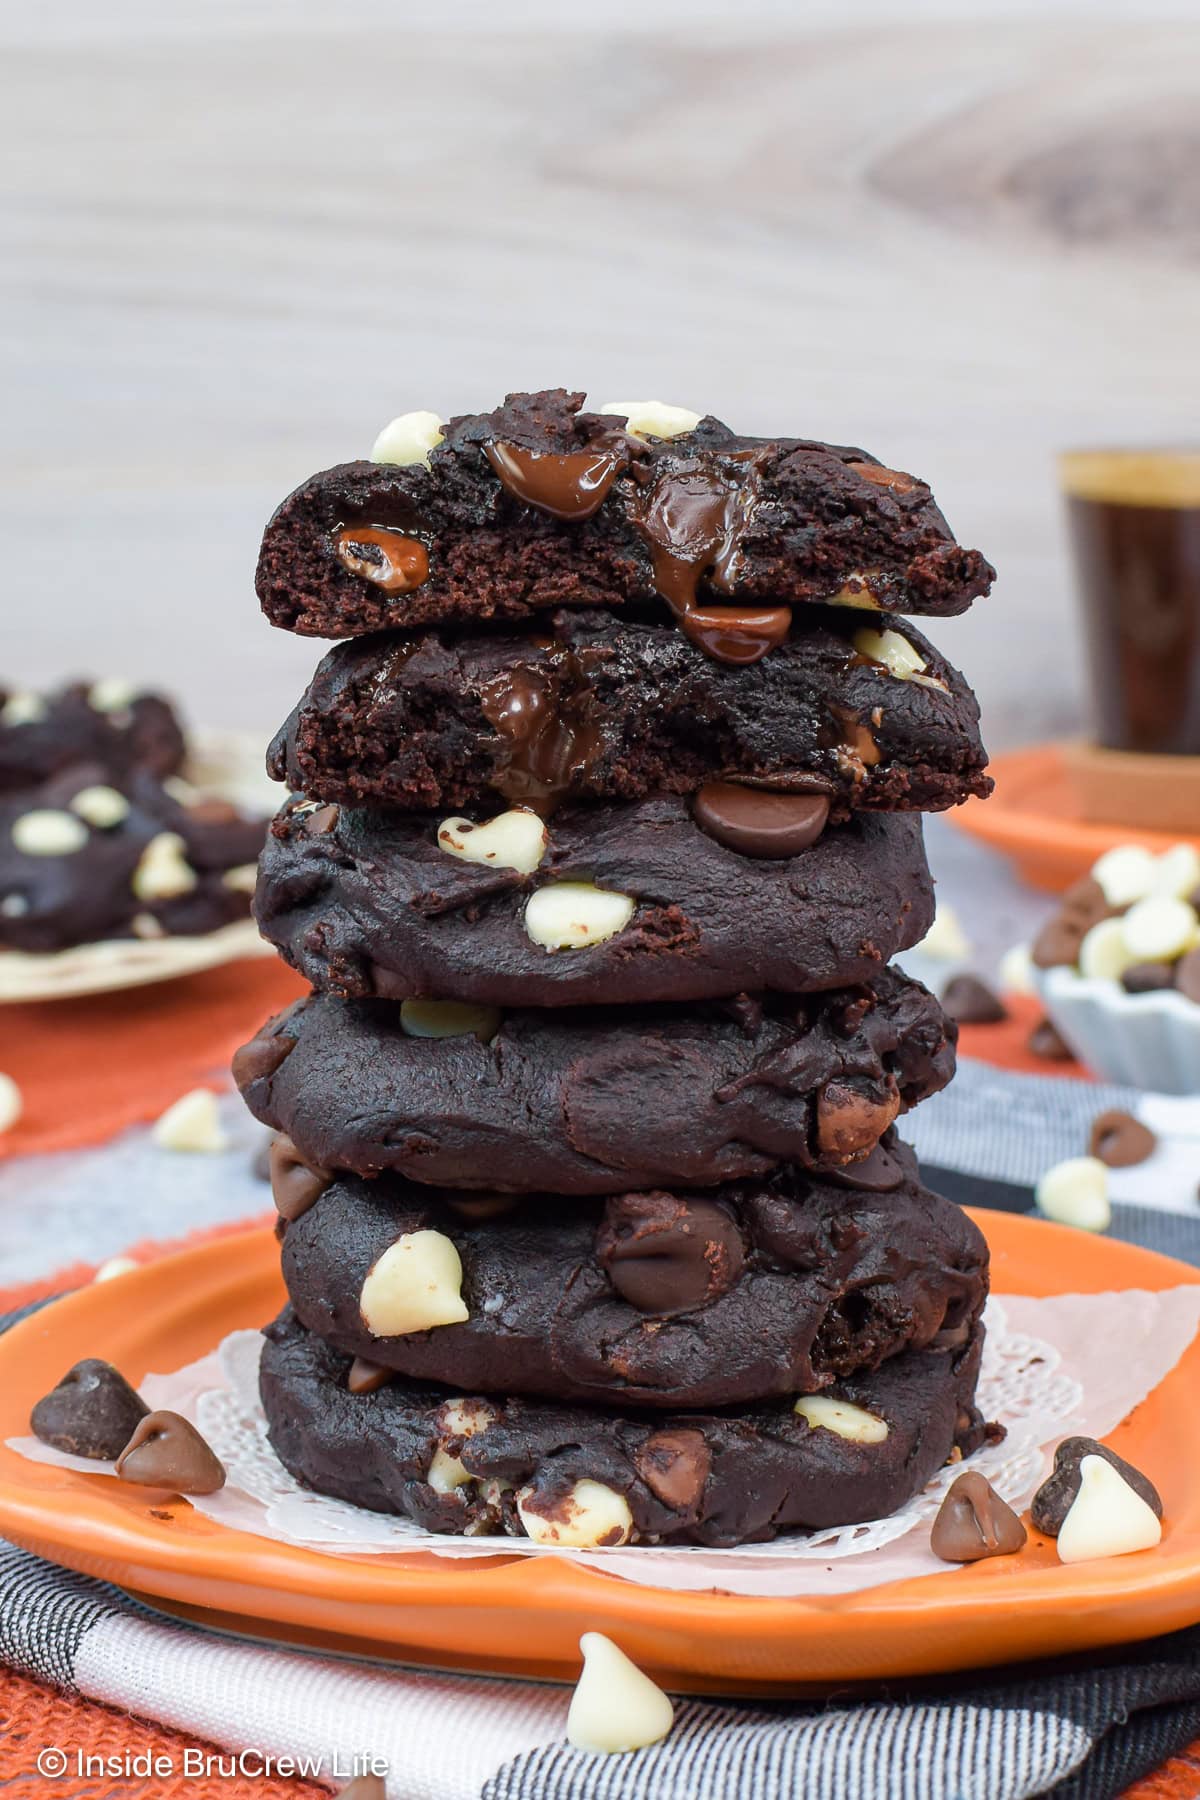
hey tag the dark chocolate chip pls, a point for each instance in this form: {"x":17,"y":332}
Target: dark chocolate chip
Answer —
{"x":1047,"y":1041}
{"x":665,"y":1254}
{"x":849,"y":1121}
{"x":366,"y":1377}
{"x":481,"y":1206}
{"x":1120,"y":1140}
{"x":760,"y":822}
{"x":1057,"y":943}
{"x":260,"y":1057}
{"x":674,"y":1465}
{"x":295,"y":1184}
{"x":1187,"y":976}
{"x":1055,"y":1497}
{"x":877,"y":1173}
{"x":92,"y":1412}
{"x":1148,"y":977}
{"x":1086,"y":903}
{"x":166,"y":1451}
{"x":973,"y":1522}
{"x":972,"y":1002}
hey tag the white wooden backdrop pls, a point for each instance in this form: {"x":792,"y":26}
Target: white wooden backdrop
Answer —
{"x":240,"y":234}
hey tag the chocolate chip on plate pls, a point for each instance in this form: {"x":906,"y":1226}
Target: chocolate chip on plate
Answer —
{"x":92,"y":1412}
{"x":1054,"y":1498}
{"x":1047,"y":1041}
{"x":166,"y":1451}
{"x":973,"y":1522}
{"x":1148,"y":977}
{"x":1120,"y":1140}
{"x":972,"y":1002}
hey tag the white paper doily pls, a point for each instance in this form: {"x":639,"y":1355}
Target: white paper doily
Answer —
{"x":1071,"y":1363}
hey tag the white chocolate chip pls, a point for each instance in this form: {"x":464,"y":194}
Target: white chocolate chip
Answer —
{"x":116,"y":1265}
{"x":842,"y":1418}
{"x":1075,"y":1192}
{"x":47,"y":832}
{"x":146,"y":926}
{"x":449,"y":1018}
{"x":243,"y":879}
{"x":408,"y":439}
{"x":458,"y":1418}
{"x":615,"y":1707}
{"x":892,"y":649}
{"x":102,"y":807}
{"x":192,"y":1124}
{"x":512,"y":840}
{"x":1104,"y":955}
{"x":1106,"y":1517}
{"x":1016,"y":971}
{"x":11,"y":1103}
{"x":945,"y":938}
{"x":23,"y":709}
{"x":569,"y":915}
{"x":591,"y":1515}
{"x":1178,"y":872}
{"x":1160,"y":928}
{"x":854,"y":593}
{"x":163,"y":872}
{"x":111,"y":695}
{"x":652,"y":418}
{"x":415,"y":1285}
{"x":13,"y":906}
{"x":1126,"y":873}
{"x":181,"y":791}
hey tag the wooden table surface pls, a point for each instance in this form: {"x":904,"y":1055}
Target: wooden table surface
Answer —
{"x":241,"y":237}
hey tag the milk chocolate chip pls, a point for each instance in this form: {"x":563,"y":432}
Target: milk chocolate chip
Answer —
{"x":393,"y":562}
{"x":970,"y":1001}
{"x":261,"y":1057}
{"x":295,"y":1184}
{"x":1055,"y":1497}
{"x":1120,"y":1140}
{"x":760,"y":822}
{"x":166,"y":1451}
{"x":973,"y":1522}
{"x":367,"y":1377}
{"x":92,"y":1412}
{"x":849,"y":1121}
{"x":877,"y":1173}
{"x":674,"y":1465}
{"x":665,"y":1254}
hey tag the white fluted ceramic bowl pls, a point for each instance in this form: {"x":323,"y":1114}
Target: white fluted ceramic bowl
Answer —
{"x":1141,"y":1040}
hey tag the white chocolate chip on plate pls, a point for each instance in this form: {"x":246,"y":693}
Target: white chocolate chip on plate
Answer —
{"x":415,"y":1285}
{"x":615,"y":1707}
{"x":843,"y":1418}
{"x":192,"y":1124}
{"x":1104,"y":954}
{"x":1178,"y":872}
{"x":47,"y":832}
{"x":449,"y":1018}
{"x":408,"y":439}
{"x":101,"y":806}
{"x":163,"y":872}
{"x":1126,"y":873}
{"x":652,"y":418}
{"x":591,"y":1515}
{"x":116,"y":1265}
{"x":111,"y":695}
{"x":458,"y":1418}
{"x":1106,"y":1517}
{"x":11,"y":1103}
{"x":1160,"y":928}
{"x":243,"y":879}
{"x":23,"y":709}
{"x":1075,"y":1192}
{"x":512,"y":840}
{"x":1016,"y":971}
{"x":570,"y":915}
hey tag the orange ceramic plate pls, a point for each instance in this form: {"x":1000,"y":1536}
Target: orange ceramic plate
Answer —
{"x":1034,"y":816}
{"x":523,"y":1615}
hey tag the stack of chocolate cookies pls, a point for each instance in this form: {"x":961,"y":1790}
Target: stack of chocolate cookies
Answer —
{"x":605,"y":825}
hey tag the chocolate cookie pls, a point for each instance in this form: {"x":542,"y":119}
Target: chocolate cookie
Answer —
{"x":540,"y":504}
{"x":585,"y":1476}
{"x":100,"y":722}
{"x":598,"y":1101}
{"x":712,"y":1298}
{"x":600,"y":707}
{"x":374,"y":903}
{"x":91,"y":856}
